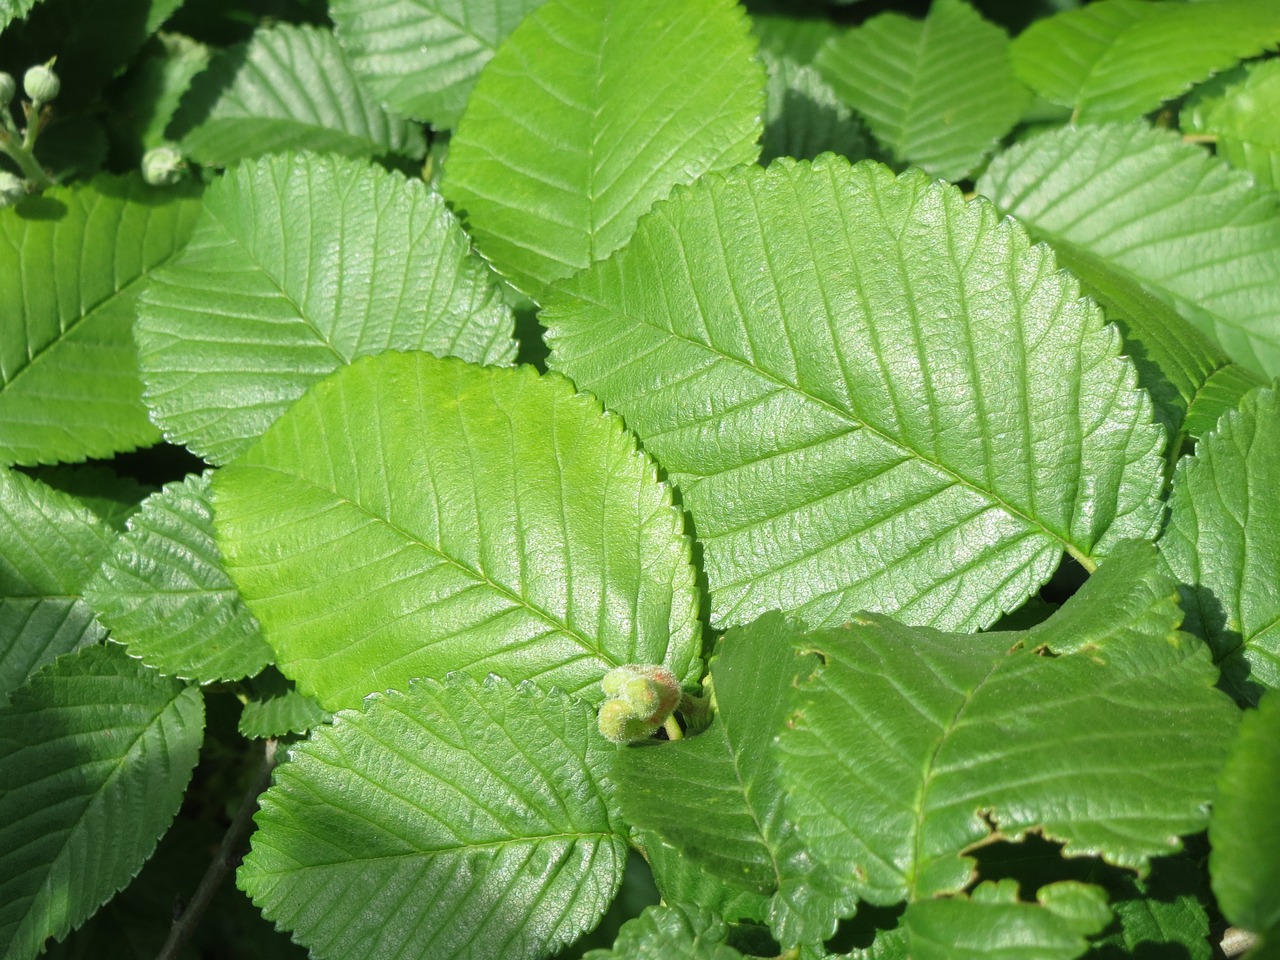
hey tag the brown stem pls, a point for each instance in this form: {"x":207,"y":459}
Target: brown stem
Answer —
{"x":224,"y":862}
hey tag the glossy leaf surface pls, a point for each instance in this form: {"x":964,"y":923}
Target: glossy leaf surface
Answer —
{"x":493,"y":520}
{"x":827,"y":361}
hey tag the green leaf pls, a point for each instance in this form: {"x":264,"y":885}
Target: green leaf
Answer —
{"x":804,"y":117}
{"x":493,"y":520}
{"x":1100,"y":729}
{"x":149,"y":94}
{"x":290,"y":87}
{"x":71,"y":265}
{"x":547,"y":168}
{"x":50,"y":545}
{"x":421,"y":57}
{"x":95,"y":754}
{"x":1178,"y":365}
{"x":1199,"y":235}
{"x":163,"y":592}
{"x":683,"y":880}
{"x":467,"y":820}
{"x":830,"y":364}
{"x":1244,"y":864}
{"x":1222,"y":391}
{"x":111,"y":496}
{"x":787,"y":33}
{"x":11,"y":10}
{"x":1161,"y":914}
{"x":275,"y":708}
{"x":1119,"y":59}
{"x":1242,"y":120}
{"x":299,"y":265}
{"x":677,"y":930}
{"x":994,"y":922}
{"x":938,"y":93}
{"x":718,"y":797}
{"x":1223,"y":543}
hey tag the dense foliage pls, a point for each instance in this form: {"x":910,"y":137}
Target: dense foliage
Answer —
{"x":639,"y":479}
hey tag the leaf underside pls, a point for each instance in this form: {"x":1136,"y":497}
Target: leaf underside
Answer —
{"x":492,"y":520}
{"x":301,"y":264}
{"x":452,"y":821}
{"x":828,"y":362}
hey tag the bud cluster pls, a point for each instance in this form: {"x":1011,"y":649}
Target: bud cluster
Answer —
{"x":641,"y":697}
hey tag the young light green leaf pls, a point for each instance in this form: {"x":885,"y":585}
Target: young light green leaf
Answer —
{"x":910,"y":746}
{"x":11,"y":10}
{"x":95,"y":754}
{"x":69,"y":386}
{"x":718,"y":797}
{"x":163,"y":592}
{"x":50,"y":545}
{"x":451,"y":821}
{"x":275,"y":708}
{"x":421,"y":57}
{"x":674,"y":930}
{"x":872,"y":394}
{"x":491,"y":520}
{"x":938,"y":93}
{"x":289,"y":87}
{"x":301,"y":264}
{"x":1203,"y":237}
{"x":1223,"y":543}
{"x":791,"y":33}
{"x":1244,"y":863}
{"x":803,"y":117}
{"x":1119,"y":59}
{"x":992,"y":921}
{"x":1242,"y":119}
{"x":547,"y":167}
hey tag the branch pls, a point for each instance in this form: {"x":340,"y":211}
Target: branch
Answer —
{"x":229,"y":854}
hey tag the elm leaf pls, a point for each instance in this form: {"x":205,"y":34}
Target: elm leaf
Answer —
{"x":804,"y":117}
{"x":301,"y":264}
{"x":547,"y":166}
{"x":50,"y":546}
{"x":871,"y":394}
{"x":289,"y":87}
{"x":163,"y":592}
{"x":95,"y":754}
{"x":1119,"y":59}
{"x":1240,"y":119}
{"x":421,"y":57}
{"x":674,"y":930}
{"x":412,"y":516}
{"x":1223,"y":543}
{"x":452,"y":821}
{"x":939,"y":93}
{"x":1102,"y":731}
{"x":69,"y":386}
{"x":1198,"y":234}
{"x":1244,"y":863}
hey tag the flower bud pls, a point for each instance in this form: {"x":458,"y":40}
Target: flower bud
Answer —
{"x":641,"y":697}
{"x":12,"y":189}
{"x":8,"y":87}
{"x":617,"y":723}
{"x":162,"y":166}
{"x":41,"y":83}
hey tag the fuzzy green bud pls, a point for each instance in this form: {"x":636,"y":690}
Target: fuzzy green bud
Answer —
{"x":12,"y":189}
{"x":163,"y":166}
{"x":641,"y":697}
{"x":8,"y":87}
{"x":41,"y":83}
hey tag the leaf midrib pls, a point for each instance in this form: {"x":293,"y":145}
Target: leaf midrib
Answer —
{"x":893,"y":442}
{"x":459,"y":848}
{"x":581,"y":639}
